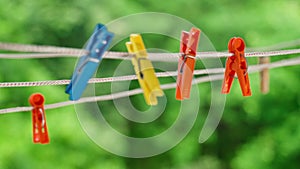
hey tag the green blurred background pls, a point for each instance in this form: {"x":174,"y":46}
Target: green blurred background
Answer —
{"x":257,"y":132}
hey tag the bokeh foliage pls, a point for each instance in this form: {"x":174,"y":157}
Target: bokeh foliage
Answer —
{"x":258,"y":132}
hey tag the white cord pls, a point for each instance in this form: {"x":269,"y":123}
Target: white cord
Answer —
{"x":102,"y":80}
{"x":76,"y":51}
{"x":52,"y":51}
{"x":286,"y":62}
{"x":40,"y":48}
{"x":173,"y":57}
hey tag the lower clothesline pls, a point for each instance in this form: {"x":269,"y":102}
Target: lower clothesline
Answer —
{"x":198,"y":80}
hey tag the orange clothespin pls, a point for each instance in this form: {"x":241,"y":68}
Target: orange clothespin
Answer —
{"x":40,"y":131}
{"x":236,"y":64}
{"x":186,"y":63}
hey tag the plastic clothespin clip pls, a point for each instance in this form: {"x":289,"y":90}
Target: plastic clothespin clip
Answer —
{"x":236,"y":64}
{"x":186,"y":63}
{"x":144,"y":69}
{"x":264,"y":75}
{"x":88,"y":64}
{"x":40,"y":131}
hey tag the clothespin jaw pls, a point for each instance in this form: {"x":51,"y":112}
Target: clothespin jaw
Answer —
{"x":88,"y":64}
{"x":40,"y":131}
{"x":264,"y":75}
{"x":186,"y":63}
{"x":144,"y":69}
{"x":236,"y":64}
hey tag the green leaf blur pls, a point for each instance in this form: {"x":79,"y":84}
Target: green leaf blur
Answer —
{"x":258,"y":132}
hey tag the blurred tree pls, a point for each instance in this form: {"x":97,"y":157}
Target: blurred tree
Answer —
{"x":256,"y":132}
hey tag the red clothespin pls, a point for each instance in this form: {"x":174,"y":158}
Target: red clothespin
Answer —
{"x":236,"y":64}
{"x":40,"y":131}
{"x":186,"y":63}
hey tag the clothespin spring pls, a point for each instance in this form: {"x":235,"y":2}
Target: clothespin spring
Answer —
{"x":139,"y":66}
{"x":184,"y":56}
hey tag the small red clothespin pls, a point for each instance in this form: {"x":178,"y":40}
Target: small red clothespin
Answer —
{"x":186,"y":63}
{"x":40,"y":131}
{"x":236,"y":64}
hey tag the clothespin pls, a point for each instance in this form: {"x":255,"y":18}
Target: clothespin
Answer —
{"x":144,"y":69}
{"x":40,"y":131}
{"x":236,"y":64}
{"x":186,"y":63}
{"x":264,"y":75}
{"x":88,"y":64}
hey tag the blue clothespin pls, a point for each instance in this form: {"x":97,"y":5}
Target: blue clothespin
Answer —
{"x":88,"y":64}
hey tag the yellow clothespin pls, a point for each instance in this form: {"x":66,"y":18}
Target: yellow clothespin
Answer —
{"x":144,"y":69}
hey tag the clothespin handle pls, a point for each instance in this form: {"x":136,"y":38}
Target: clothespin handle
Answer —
{"x":39,"y":125}
{"x":193,"y":42}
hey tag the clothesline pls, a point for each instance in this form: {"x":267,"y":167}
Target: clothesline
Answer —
{"x":52,"y":52}
{"x":256,"y":68}
{"x":76,"y":51}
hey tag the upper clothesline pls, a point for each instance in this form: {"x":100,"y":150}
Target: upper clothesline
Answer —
{"x":53,"y":52}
